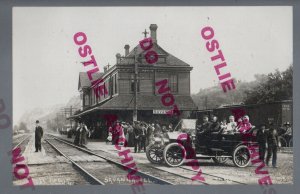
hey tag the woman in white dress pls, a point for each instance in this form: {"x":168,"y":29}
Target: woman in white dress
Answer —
{"x":231,"y":126}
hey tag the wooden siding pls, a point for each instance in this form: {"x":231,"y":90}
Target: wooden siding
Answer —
{"x":146,"y":86}
{"x":124,"y":86}
{"x":184,"y":83}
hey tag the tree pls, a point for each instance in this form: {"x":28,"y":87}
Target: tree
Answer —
{"x":214,"y":97}
{"x":23,"y":126}
{"x":275,"y":86}
{"x":51,"y":124}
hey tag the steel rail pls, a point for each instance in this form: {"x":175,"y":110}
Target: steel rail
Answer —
{"x":215,"y":176}
{"x":21,"y":142}
{"x":93,"y":178}
{"x":142,"y":174}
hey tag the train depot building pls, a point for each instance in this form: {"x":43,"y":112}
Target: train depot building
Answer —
{"x":131,"y":89}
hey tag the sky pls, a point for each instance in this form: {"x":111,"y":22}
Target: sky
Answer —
{"x":46,"y":63}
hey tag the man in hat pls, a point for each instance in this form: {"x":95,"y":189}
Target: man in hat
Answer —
{"x":38,"y":136}
{"x":143,"y":133}
{"x":215,"y":125}
{"x":288,"y":128}
{"x":272,"y":140}
{"x":205,"y":127}
{"x":261,"y":138}
{"x":203,"y":132}
{"x":137,"y":134}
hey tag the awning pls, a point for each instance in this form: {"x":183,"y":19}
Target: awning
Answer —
{"x":144,"y":102}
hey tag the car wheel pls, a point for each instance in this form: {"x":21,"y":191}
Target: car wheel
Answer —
{"x":154,"y":153}
{"x":241,"y":156}
{"x":174,"y":154}
{"x":220,"y":160}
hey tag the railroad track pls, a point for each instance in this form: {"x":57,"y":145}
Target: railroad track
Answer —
{"x":90,"y":177}
{"x":15,"y":145}
{"x":214,"y":176}
{"x":210,"y":178}
{"x":115,"y":168}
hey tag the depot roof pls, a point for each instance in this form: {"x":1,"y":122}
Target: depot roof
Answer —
{"x":126,"y":102}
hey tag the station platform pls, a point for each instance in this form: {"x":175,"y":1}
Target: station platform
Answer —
{"x":97,"y":145}
{"x":41,"y":157}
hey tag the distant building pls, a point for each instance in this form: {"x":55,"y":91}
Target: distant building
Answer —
{"x":120,"y":83}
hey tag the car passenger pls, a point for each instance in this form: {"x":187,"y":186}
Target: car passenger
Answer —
{"x":215,"y":125}
{"x":239,"y":123}
{"x":223,"y":125}
{"x":170,"y":127}
{"x":231,"y":126}
{"x":205,"y":127}
{"x":246,"y":125}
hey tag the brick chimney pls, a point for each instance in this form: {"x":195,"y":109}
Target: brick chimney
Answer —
{"x":153,"y":28}
{"x":118,"y":56}
{"x":126,"y":47}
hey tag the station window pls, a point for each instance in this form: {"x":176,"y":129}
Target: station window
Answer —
{"x":86,"y":100}
{"x":132,"y":84}
{"x":173,"y":83}
{"x":114,"y":84}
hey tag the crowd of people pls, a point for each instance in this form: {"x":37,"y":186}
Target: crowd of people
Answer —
{"x":242,"y":125}
{"x":137,"y":134}
{"x":81,"y":133}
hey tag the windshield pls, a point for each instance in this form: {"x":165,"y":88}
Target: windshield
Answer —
{"x":186,"y":126}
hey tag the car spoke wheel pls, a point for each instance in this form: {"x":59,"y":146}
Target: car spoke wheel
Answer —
{"x":154,"y":154}
{"x":220,"y":160}
{"x":241,"y":156}
{"x":174,"y":154}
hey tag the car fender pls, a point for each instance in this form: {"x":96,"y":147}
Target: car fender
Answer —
{"x":174,"y":135}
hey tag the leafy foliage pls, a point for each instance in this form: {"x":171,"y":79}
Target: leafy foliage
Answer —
{"x":275,"y":86}
{"x":214,"y":97}
{"x":23,"y":126}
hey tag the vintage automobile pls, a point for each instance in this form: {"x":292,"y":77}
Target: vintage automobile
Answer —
{"x":216,"y":146}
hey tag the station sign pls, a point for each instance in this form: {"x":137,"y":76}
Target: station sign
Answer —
{"x":160,"y":112}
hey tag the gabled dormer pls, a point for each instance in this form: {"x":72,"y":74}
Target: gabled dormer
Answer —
{"x":84,"y":89}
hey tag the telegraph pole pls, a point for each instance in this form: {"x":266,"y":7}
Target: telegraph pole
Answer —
{"x":68,"y":112}
{"x":135,"y":86}
{"x":70,"y":116}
